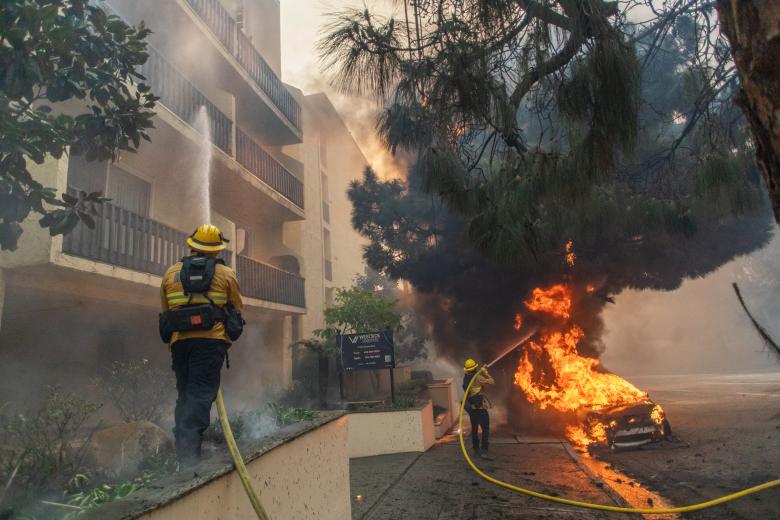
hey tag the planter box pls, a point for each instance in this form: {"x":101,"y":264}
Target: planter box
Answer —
{"x":440,"y":394}
{"x":300,"y":472}
{"x":391,"y":431}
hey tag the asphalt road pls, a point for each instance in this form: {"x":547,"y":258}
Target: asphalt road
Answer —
{"x":728,"y":438}
{"x":727,"y":431}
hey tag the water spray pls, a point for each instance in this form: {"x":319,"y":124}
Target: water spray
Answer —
{"x":525,"y":338}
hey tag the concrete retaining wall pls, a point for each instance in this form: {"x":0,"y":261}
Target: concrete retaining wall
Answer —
{"x":305,"y":476}
{"x":397,"y":431}
{"x":440,"y":394}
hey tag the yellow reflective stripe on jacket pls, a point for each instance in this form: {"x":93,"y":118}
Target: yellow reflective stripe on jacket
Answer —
{"x":179,"y":298}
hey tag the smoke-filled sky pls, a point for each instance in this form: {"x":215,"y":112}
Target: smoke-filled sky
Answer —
{"x":301,"y":23}
{"x":701,"y":326}
{"x":698,"y":328}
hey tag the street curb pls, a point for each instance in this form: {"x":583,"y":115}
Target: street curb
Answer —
{"x":609,"y":490}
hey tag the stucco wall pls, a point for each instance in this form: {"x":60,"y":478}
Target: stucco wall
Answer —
{"x":34,"y":245}
{"x":307,"y":477}
{"x":310,"y":230}
{"x":380,"y":433}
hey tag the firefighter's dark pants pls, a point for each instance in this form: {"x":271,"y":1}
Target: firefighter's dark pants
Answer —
{"x":480,"y":419}
{"x":197,"y":363}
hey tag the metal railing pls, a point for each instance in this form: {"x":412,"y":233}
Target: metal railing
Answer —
{"x":240,"y":47}
{"x":126,"y":239}
{"x":181,"y":96}
{"x":219,"y":20}
{"x":250,"y":155}
{"x":261,"y":73}
{"x":328,"y":270}
{"x":265,"y":282}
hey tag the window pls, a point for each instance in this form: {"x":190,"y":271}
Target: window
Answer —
{"x":327,"y":245}
{"x":323,"y":151}
{"x":325,"y":192}
{"x":87,"y":176}
{"x":128,"y":191}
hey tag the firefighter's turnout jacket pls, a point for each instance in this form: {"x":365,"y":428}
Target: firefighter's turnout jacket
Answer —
{"x":477,"y":397}
{"x":223,"y":290}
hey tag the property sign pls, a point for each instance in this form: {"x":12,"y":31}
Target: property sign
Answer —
{"x":367,"y":351}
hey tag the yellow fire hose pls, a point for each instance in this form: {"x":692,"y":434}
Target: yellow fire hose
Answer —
{"x":587,"y":505}
{"x":238,"y":461}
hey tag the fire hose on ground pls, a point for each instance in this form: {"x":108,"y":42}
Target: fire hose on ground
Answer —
{"x":587,"y":505}
{"x":238,"y":461}
{"x":246,"y":481}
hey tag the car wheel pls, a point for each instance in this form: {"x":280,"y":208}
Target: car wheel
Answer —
{"x":666,"y":429}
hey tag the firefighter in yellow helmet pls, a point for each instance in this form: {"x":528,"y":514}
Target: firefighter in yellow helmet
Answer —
{"x":477,"y":406}
{"x":201,"y":304}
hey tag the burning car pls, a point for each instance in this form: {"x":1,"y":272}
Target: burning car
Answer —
{"x":601,"y":407}
{"x":629,"y":425}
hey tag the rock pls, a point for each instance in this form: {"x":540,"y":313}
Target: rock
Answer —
{"x":120,"y":448}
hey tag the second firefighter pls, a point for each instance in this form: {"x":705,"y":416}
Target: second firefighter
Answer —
{"x":477,"y":406}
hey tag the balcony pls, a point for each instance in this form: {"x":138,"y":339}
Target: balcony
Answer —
{"x":219,"y":21}
{"x":265,"y":282}
{"x":139,"y":243}
{"x":252,"y":157}
{"x":184,"y":100}
{"x":224,"y":28}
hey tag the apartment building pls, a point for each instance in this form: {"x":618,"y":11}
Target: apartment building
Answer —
{"x":232,"y":144}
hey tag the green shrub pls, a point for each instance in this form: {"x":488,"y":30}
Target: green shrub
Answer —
{"x":297,"y":394}
{"x":412,"y":387}
{"x":404,"y":402}
{"x":216,"y":434}
{"x":83,"y":494}
{"x":139,"y":390}
{"x":285,"y":415}
{"x":40,"y":445}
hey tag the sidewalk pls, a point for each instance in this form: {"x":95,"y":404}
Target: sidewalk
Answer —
{"x":438,"y":484}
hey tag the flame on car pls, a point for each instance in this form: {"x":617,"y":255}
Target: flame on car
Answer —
{"x":553,"y":374}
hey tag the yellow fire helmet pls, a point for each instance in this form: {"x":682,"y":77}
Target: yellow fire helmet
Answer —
{"x":469,"y":365}
{"x":207,"y":239}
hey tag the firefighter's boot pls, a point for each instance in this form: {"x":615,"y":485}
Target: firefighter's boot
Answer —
{"x":484,"y":455}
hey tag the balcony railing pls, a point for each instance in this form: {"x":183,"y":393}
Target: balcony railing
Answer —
{"x":265,"y":282}
{"x":265,"y":78}
{"x":219,"y":20}
{"x":125,"y":239}
{"x":267,"y":169}
{"x":184,"y":99}
{"x":240,"y":47}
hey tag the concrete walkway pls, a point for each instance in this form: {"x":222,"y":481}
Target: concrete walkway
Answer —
{"x":439,"y":485}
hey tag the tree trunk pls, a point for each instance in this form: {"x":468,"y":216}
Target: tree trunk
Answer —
{"x":322,"y":379}
{"x":753,"y":29}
